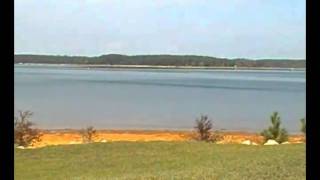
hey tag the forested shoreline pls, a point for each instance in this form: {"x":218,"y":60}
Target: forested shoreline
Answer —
{"x":160,"y":60}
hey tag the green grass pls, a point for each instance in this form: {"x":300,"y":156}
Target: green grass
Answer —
{"x":161,"y":160}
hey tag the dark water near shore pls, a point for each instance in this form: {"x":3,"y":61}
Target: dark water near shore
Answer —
{"x":64,"y":97}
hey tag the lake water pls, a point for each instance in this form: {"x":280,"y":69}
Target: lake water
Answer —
{"x":63,"y":97}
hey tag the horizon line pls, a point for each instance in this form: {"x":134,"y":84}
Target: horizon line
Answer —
{"x":229,"y":58}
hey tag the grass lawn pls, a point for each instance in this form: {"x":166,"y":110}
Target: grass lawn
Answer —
{"x":161,"y":160}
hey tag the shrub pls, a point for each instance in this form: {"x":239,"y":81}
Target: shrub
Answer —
{"x":216,"y":136}
{"x":203,"y":128}
{"x":88,"y":134}
{"x":274,"y":131}
{"x":303,"y":125}
{"x":24,"y":135}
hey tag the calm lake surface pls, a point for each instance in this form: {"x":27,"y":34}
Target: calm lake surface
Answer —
{"x":65,"y":97}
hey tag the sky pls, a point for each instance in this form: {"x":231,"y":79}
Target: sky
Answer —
{"x":220,"y":28}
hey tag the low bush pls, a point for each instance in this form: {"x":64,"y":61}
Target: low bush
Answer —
{"x":275,"y":132}
{"x":88,"y":134}
{"x":204,"y":132}
{"x":24,"y":134}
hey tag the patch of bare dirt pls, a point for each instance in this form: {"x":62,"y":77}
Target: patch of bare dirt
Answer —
{"x":58,"y":137}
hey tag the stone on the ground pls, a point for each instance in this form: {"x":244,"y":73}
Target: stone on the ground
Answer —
{"x":103,"y":140}
{"x":271,"y":142}
{"x":286,"y":142}
{"x":249,"y":142}
{"x":246,"y":142}
{"x":20,"y":147}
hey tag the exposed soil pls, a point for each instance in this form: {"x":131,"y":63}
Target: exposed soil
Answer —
{"x":58,"y":137}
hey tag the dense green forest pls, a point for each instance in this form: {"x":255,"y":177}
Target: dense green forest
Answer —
{"x":160,"y":60}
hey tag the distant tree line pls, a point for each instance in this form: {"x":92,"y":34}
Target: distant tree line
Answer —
{"x":160,"y":60}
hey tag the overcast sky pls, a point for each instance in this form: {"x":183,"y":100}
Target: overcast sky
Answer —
{"x":220,"y":28}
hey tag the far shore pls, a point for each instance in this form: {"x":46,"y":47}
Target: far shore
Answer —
{"x":73,"y":136}
{"x":161,"y":67}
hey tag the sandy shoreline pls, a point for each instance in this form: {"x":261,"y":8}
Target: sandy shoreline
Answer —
{"x":61,"y":137}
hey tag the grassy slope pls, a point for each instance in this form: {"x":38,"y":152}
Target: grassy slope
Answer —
{"x":161,"y":160}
